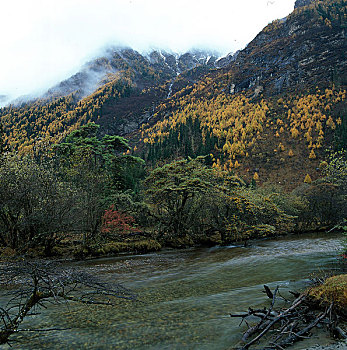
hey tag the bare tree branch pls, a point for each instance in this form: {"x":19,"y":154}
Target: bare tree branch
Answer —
{"x":32,"y":284}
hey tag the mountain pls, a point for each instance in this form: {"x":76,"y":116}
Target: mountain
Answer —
{"x":305,"y":49}
{"x":117,"y":90}
{"x":146,"y":70}
{"x":271,"y":109}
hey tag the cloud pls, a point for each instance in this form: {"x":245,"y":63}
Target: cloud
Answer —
{"x":43,"y":42}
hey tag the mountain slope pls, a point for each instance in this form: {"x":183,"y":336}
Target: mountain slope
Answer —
{"x":306,"y":48}
{"x":273,"y":110}
{"x":267,"y":113}
{"x":117,"y":91}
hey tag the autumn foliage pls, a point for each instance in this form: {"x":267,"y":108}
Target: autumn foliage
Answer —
{"x":117,"y":223}
{"x":308,"y":179}
{"x":234,"y":127}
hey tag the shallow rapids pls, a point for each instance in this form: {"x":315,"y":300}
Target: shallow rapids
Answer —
{"x":185,"y":296}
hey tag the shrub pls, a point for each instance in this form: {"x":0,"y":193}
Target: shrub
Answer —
{"x":116,"y":223}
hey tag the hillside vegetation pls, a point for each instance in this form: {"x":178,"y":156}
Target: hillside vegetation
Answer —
{"x":273,"y":112}
{"x":208,"y":156}
{"x":127,"y":87}
{"x":243,"y":134}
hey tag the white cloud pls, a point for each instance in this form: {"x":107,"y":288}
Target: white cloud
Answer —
{"x":44,"y":41}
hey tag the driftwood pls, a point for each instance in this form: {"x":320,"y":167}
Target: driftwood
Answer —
{"x":285,"y":326}
{"x":29,"y":286}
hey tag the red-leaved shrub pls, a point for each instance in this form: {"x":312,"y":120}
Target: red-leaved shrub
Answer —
{"x":115,"y":222}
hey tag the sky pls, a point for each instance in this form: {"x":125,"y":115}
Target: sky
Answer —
{"x":46,"y":41}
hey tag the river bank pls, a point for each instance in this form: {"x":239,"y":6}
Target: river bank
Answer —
{"x":185,"y":296}
{"x":73,"y":248}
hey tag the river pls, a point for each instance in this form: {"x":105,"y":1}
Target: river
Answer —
{"x":184,"y":296}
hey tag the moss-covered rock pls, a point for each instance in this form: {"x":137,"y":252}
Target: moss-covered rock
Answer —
{"x":145,"y":246}
{"x":333,"y":290}
{"x":210,"y":240}
{"x":113,"y":248}
{"x":180,"y":242}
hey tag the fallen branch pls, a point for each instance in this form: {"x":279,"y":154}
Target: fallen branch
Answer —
{"x":289,"y":325}
{"x":296,"y":303}
{"x":296,"y":336}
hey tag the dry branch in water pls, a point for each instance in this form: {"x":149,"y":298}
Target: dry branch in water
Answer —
{"x":286,"y":326}
{"x":31,"y":285}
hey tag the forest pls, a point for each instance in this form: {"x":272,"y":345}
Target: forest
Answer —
{"x":91,"y":191}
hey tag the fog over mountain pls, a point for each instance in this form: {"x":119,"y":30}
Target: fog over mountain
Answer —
{"x":44,"y":42}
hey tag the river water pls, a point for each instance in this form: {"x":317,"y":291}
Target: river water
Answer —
{"x":185,"y":296}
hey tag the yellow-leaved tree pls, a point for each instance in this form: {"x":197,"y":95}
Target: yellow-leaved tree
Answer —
{"x":308,"y":179}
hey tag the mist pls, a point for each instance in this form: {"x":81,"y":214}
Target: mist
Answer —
{"x":44,"y":42}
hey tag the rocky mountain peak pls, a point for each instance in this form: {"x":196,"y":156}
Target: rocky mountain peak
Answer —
{"x":147,"y":70}
{"x":302,"y":3}
{"x":305,"y":48}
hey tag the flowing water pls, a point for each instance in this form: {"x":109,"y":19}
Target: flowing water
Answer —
{"x":185,"y":296}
